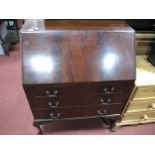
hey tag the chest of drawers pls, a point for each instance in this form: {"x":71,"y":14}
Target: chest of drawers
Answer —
{"x":77,"y":69}
{"x":141,"y":105}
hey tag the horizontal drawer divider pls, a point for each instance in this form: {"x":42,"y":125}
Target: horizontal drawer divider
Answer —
{"x":86,"y":117}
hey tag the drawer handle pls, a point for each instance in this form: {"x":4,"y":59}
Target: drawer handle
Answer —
{"x":99,"y":112}
{"x":105,"y":101}
{"x":55,"y":115}
{"x":49,"y":94}
{"x":153,"y":105}
{"x":53,"y":105}
{"x":108,"y":90}
{"x":145,"y":117}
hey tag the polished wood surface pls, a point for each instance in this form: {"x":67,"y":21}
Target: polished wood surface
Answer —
{"x":50,"y":25}
{"x":75,"y":100}
{"x":81,"y":88}
{"x":91,"y":111}
{"x":69,"y":56}
{"x":77,"y":68}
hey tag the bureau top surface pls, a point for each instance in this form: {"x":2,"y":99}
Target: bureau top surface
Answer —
{"x":70,"y":51}
{"x":35,"y":26}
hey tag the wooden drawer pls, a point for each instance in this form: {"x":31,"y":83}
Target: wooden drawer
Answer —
{"x":73,"y":89}
{"x":78,"y":112}
{"x":141,"y":106}
{"x":138,"y":118}
{"x":77,"y":100}
{"x":144,"y":42}
{"x":144,"y":93}
{"x":143,"y":46}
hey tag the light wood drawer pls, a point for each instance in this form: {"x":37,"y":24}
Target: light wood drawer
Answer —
{"x":141,"y":106}
{"x":138,"y":118}
{"x":144,"y":93}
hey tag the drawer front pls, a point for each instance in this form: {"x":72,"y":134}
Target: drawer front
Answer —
{"x":144,"y":93}
{"x":144,"y":42}
{"x":59,"y":90}
{"x":77,"y":100}
{"x":141,"y":106}
{"x":78,"y":112}
{"x":143,"y":46}
{"x":138,"y":118}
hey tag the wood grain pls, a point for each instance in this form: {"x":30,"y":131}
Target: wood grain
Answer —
{"x":85,"y":62}
{"x":75,"y":56}
{"x":89,"y":111}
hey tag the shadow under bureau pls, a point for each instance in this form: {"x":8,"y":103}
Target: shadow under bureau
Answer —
{"x":77,"y":69}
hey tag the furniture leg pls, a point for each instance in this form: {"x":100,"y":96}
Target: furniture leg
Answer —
{"x":113,"y":126}
{"x":36,"y":125}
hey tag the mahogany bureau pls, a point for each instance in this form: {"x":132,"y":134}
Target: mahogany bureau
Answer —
{"x":77,"y":69}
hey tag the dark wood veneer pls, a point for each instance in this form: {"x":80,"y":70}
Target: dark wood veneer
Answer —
{"x":77,"y":55}
{"x":79,"y":88}
{"x":75,"y":100}
{"x":87,"y":111}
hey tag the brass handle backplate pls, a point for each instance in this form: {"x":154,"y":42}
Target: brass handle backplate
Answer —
{"x":105,"y":100}
{"x":55,"y":115}
{"x":108,"y":90}
{"x":51,"y":94}
{"x":52,"y":104}
{"x":101,"y":112}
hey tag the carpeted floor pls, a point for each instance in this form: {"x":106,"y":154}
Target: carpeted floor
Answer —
{"x":16,"y":117}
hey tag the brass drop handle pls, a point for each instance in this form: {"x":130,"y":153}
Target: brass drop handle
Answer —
{"x":51,"y":94}
{"x":145,"y":117}
{"x":105,"y":101}
{"x":53,"y":105}
{"x":153,"y":105}
{"x":55,"y":115}
{"x":108,"y":90}
{"x":99,"y":112}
